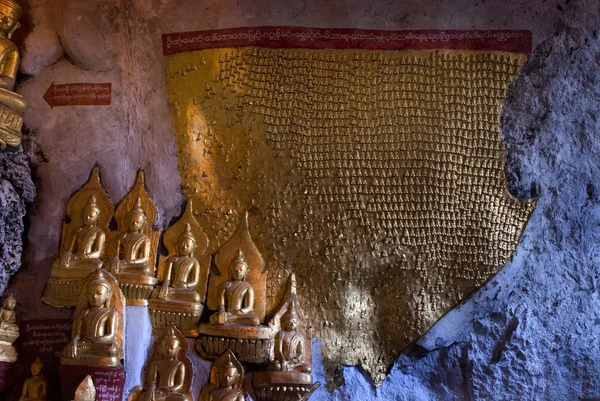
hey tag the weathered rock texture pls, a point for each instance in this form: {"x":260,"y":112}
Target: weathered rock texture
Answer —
{"x":16,"y":192}
{"x":530,"y":334}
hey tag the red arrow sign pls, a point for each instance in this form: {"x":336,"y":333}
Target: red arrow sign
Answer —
{"x":79,"y":94}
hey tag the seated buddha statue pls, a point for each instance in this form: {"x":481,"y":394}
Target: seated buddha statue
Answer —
{"x":236,"y":296}
{"x":182,"y":272}
{"x":133,"y":246}
{"x":86,"y":243}
{"x":8,"y":319}
{"x":35,"y":388}
{"x":94,"y":327}
{"x":167,"y":374}
{"x":10,"y":130}
{"x":227,"y":386}
{"x":289,"y":346}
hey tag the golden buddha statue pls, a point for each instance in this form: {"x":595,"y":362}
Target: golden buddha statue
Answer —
{"x":225,"y":382}
{"x":133,"y":246}
{"x":35,"y":388}
{"x":97,"y":324}
{"x":289,"y":345}
{"x":83,"y":243}
{"x":287,"y":377}
{"x":182,"y":272}
{"x":8,"y":318}
{"x":12,"y":105}
{"x":168,"y":373}
{"x":179,"y":298}
{"x":236,"y":296}
{"x":9,"y":330}
{"x":87,"y":242}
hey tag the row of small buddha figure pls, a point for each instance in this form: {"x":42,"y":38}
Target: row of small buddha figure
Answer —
{"x":130,"y":252}
{"x":97,"y":340}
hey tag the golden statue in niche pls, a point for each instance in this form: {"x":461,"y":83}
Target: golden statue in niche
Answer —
{"x":98,"y":323}
{"x":179,"y":298}
{"x":134,"y":251}
{"x":168,"y":373}
{"x":83,"y":242}
{"x":9,"y":330}
{"x":36,"y":387}
{"x":12,"y":105}
{"x":225,"y":381}
{"x":237,"y":294}
{"x":288,"y":375}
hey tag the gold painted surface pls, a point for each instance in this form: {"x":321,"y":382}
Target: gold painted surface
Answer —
{"x":98,"y":323}
{"x":133,"y":249}
{"x":183,"y":277}
{"x":379,"y":176}
{"x":168,"y":372}
{"x":9,"y":330}
{"x":83,"y":242}
{"x":35,"y":388}
{"x":12,"y":105}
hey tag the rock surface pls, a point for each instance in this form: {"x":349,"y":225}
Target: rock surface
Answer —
{"x":16,"y":192}
{"x":531,"y":333}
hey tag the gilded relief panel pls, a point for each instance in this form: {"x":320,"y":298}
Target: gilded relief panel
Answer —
{"x":377,"y":178}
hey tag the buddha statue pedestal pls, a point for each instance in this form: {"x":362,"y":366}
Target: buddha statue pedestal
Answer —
{"x":282,"y":386}
{"x":136,"y":288}
{"x":11,"y":123}
{"x":109,"y":381}
{"x":184,"y":315}
{"x":249,"y":343}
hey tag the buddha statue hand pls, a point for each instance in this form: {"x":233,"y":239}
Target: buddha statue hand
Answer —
{"x":163,"y":293}
{"x":151,"y":391}
{"x":114,"y":265}
{"x":65,"y":260}
{"x":74,"y":346}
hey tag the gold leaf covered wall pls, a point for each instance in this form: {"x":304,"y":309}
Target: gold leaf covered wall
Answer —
{"x":379,"y":176}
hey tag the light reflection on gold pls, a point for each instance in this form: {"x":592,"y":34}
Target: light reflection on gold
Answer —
{"x":379,"y":176}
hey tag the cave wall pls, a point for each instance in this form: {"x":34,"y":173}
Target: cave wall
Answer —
{"x":530,"y":333}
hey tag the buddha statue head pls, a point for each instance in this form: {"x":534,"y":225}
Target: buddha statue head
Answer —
{"x":36,"y":367}
{"x":228,"y":374}
{"x":186,"y":242}
{"x":238,"y":268}
{"x":90,"y":212}
{"x":170,"y":345}
{"x":9,"y":303}
{"x":10,"y":14}
{"x":136,"y":219}
{"x":98,"y":290}
{"x":290,"y":320}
